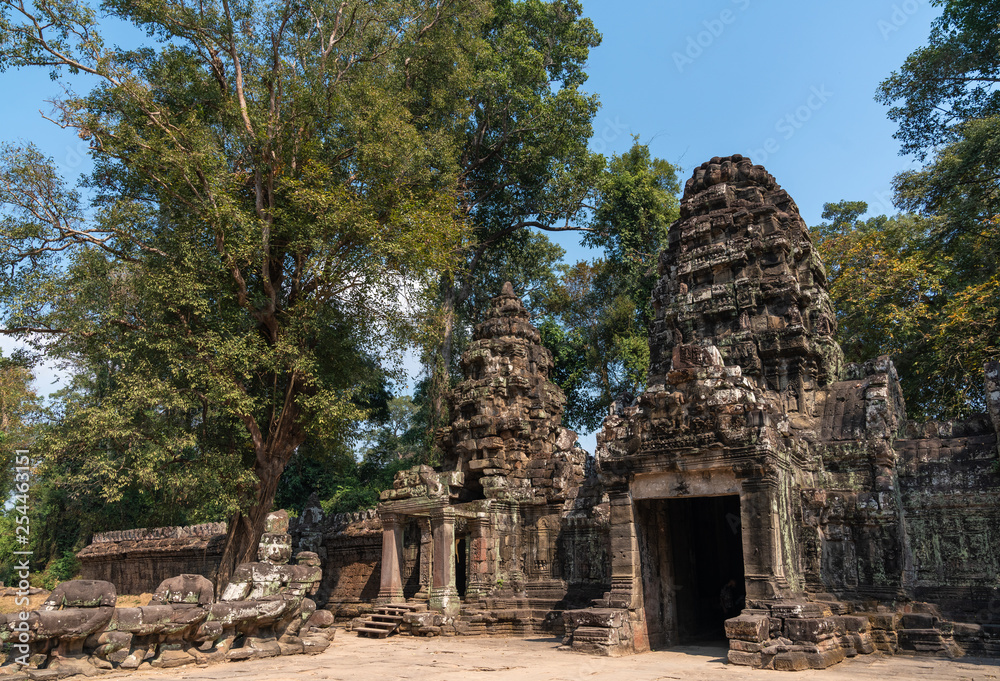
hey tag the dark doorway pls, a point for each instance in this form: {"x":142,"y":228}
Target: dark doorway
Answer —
{"x":691,"y":553}
{"x":461,"y":566}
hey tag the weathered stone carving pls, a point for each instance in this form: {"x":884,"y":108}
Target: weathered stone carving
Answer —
{"x":849,"y":517}
{"x":493,"y":523}
{"x":264,"y":611}
{"x":505,"y":436}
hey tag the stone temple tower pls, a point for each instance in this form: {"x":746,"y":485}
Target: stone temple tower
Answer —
{"x":760,"y":471}
{"x":708,"y":460}
{"x":503,"y":519}
{"x":740,"y":273}
{"x":506,"y":434}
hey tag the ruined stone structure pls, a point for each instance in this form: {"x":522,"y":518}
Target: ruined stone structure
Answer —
{"x":756,"y":458}
{"x":761,"y":491}
{"x":508,"y":522}
{"x":264,"y":611}
{"x":136,"y":561}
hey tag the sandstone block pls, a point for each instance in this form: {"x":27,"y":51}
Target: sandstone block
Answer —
{"x":313,"y":645}
{"x":745,"y":646}
{"x":748,"y":628}
{"x":918,"y":621}
{"x":825,"y":659}
{"x":172,"y":658}
{"x":854,"y":623}
{"x":809,"y":629}
{"x":320,"y":619}
{"x":744,"y":659}
{"x":790,"y":662}
{"x":595,"y":617}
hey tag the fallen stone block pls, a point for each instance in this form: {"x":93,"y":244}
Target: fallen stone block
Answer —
{"x":745,"y":646}
{"x":745,"y":659}
{"x":827,"y":658}
{"x":748,"y":628}
{"x":790,"y":662}
{"x":313,"y":645}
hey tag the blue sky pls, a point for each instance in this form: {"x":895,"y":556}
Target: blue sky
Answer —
{"x":789,"y":84}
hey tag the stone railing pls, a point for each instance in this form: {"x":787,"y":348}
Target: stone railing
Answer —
{"x":146,"y":533}
{"x":264,"y":611}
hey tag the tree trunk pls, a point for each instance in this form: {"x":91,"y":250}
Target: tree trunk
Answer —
{"x":245,"y":529}
{"x":441,"y":378}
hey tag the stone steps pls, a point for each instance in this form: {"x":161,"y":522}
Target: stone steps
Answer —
{"x":386,"y":619}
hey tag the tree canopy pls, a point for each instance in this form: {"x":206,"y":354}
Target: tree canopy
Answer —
{"x":947,"y":104}
{"x":598,"y":316}
{"x":524,"y":162}
{"x":270,"y":178}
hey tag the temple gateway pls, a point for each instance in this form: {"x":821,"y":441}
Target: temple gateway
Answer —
{"x":760,"y":491}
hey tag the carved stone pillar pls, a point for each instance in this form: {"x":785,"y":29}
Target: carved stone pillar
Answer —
{"x":626,"y":568}
{"x":444,"y":595}
{"x":426,"y":558}
{"x":391,"y":586}
{"x":482,"y":568}
{"x":763,"y":565}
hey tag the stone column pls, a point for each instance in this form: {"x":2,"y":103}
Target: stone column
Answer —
{"x":482,"y":569}
{"x":444,"y":595}
{"x":426,"y":558}
{"x":391,"y":587}
{"x":626,"y":568}
{"x":763,"y":566}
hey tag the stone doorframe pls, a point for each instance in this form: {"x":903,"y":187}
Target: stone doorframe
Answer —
{"x":442,"y":594}
{"x":763,"y":555}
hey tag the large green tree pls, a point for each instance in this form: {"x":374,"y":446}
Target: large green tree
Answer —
{"x":947,"y":104}
{"x":524,"y":162}
{"x":888,"y":291}
{"x":598,"y":316}
{"x":268,"y":177}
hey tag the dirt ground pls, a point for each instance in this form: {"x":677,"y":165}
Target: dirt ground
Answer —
{"x":506,"y":659}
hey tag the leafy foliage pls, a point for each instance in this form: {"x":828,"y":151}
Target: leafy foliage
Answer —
{"x":268,"y":177}
{"x":523,"y":162}
{"x":599,"y":315}
{"x":897,"y":292}
{"x":342,"y":482}
{"x":19,"y":412}
{"x":951,"y":80}
{"x":946,"y":101}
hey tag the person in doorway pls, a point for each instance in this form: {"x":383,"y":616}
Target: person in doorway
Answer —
{"x":731,"y":599}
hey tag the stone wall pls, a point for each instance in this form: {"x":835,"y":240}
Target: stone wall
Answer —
{"x":137,"y":561}
{"x":899,"y":511}
{"x":350,"y":548}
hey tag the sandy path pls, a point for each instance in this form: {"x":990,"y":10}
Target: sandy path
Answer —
{"x":506,"y":659}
